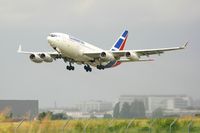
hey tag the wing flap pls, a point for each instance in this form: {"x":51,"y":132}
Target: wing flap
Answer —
{"x":147,"y":52}
{"x":93,"y":55}
{"x":144,"y":52}
{"x":141,"y":60}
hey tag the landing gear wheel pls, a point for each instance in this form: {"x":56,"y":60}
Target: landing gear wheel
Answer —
{"x":87,"y":68}
{"x":100,"y":67}
{"x":90,"y":69}
{"x":70,"y":67}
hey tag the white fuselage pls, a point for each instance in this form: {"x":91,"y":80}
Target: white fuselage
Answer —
{"x":73,"y":48}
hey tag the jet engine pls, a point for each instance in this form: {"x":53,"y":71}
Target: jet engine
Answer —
{"x":106,"y":56}
{"x":46,"y":57}
{"x":35,"y":58}
{"x":132,"y":56}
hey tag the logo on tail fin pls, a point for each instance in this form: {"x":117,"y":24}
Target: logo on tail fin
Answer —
{"x":120,"y":43}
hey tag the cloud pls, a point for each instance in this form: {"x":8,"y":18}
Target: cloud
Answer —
{"x":151,"y":23}
{"x":71,"y":11}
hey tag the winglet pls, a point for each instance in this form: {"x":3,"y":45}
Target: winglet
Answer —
{"x":185,"y":45}
{"x":19,"y":49}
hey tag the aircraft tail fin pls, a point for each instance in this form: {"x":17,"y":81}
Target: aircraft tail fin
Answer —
{"x":120,"y":43}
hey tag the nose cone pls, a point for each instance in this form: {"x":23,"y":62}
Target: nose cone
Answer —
{"x":50,"y":41}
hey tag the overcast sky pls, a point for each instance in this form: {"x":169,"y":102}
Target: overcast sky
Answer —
{"x":151,"y":24}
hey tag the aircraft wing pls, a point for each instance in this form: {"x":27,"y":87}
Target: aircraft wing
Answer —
{"x":144,"y":52}
{"x":53,"y":54}
{"x":147,"y":52}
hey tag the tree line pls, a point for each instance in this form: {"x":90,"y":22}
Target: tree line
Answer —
{"x":134,"y":110}
{"x":51,"y":116}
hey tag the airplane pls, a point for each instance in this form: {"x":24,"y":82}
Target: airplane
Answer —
{"x":73,"y":50}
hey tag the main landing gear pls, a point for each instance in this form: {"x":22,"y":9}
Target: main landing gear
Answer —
{"x":87,"y":68}
{"x":100,"y":67}
{"x":70,"y":67}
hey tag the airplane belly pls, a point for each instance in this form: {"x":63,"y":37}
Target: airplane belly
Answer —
{"x":69,"y":51}
{"x":73,"y":51}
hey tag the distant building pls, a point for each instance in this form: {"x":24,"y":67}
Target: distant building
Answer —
{"x":53,"y":110}
{"x":19,"y":109}
{"x":56,"y":110}
{"x":153,"y":102}
{"x":169,"y":102}
{"x":196,"y":103}
{"x":81,"y":115}
{"x":95,"y":106}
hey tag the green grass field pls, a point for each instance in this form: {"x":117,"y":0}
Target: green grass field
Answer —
{"x":102,"y":126}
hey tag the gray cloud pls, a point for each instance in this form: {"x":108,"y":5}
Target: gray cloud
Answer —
{"x":152,"y":23}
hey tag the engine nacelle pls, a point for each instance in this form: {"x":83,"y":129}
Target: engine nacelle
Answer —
{"x":46,"y":57}
{"x":35,"y":58}
{"x":132,"y":56}
{"x":106,"y":56}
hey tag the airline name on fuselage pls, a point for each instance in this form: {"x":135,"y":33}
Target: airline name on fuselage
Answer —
{"x":76,"y":40}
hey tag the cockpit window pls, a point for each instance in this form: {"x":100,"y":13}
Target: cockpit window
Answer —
{"x":53,"y":35}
